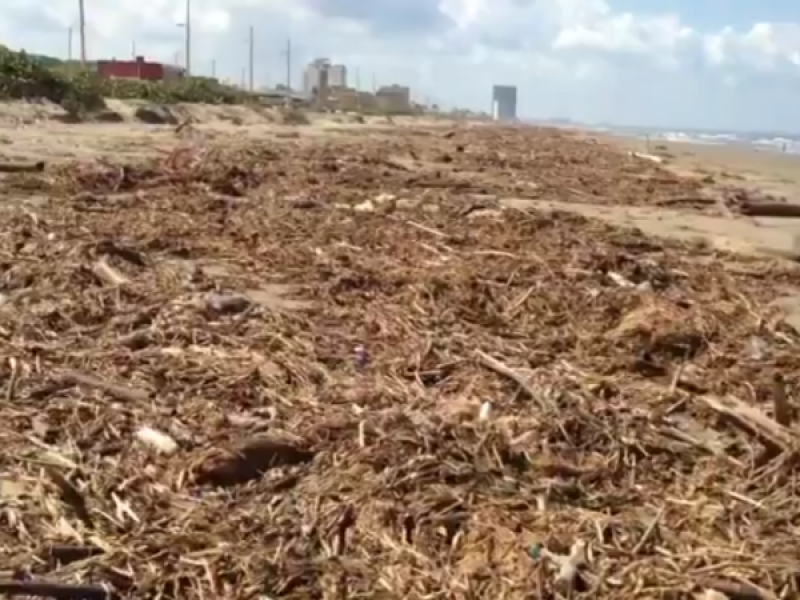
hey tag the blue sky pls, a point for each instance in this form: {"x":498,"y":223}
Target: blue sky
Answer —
{"x":723,"y":64}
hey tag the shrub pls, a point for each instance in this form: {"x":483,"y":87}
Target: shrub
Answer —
{"x":79,"y":90}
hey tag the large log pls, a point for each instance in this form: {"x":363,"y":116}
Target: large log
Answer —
{"x":770,"y":209}
{"x":36,"y":167}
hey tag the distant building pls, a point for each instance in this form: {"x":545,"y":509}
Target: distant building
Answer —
{"x":138,"y":69}
{"x":394,"y":98}
{"x":337,"y":76}
{"x":313,"y":74}
{"x":504,"y":103}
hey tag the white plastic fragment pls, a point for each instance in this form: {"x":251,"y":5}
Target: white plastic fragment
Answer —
{"x":568,"y":566}
{"x":158,"y":440}
{"x":485,"y":412}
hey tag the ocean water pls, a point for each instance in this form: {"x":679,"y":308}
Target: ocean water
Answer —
{"x":763,"y":140}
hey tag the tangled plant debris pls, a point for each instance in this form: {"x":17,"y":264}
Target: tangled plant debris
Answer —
{"x":212,"y":389}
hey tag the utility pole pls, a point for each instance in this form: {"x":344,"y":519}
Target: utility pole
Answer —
{"x":82,"y":17}
{"x":188,"y":26}
{"x":251,"y":58}
{"x":289,"y":64}
{"x":214,"y":68}
{"x":134,"y":57}
{"x":69,"y":43}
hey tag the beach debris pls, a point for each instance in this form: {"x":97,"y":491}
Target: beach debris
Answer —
{"x":250,"y":461}
{"x":361,"y":356}
{"x":116,"y":391}
{"x":567,"y":566}
{"x":485,"y":412}
{"x":208,"y":427}
{"x":158,"y":440}
{"x":645,"y":156}
{"x":11,"y":167}
{"x":108,"y":274}
{"x":757,"y":348}
{"x":770,"y":209}
{"x":57,"y":591}
{"x":227,"y":304}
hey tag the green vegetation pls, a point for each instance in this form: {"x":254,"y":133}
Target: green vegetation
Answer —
{"x":79,"y":90}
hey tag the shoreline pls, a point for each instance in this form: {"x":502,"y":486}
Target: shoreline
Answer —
{"x":735,"y":164}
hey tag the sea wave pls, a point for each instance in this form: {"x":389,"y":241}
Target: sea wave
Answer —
{"x":761,"y":142}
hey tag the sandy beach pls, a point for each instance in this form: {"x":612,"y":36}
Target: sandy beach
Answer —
{"x":723,"y":167}
{"x":732,"y":164}
{"x":30,"y":132}
{"x":339,"y":357}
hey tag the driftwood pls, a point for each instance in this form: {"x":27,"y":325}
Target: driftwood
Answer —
{"x":119,"y":392}
{"x":36,"y":167}
{"x":502,"y":369}
{"x":770,"y":209}
{"x":60,"y":591}
{"x":251,"y":461}
{"x":65,"y":554}
{"x":750,"y":419}
{"x":107,"y":274}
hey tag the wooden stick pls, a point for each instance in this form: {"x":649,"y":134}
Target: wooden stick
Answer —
{"x":59,"y":591}
{"x":781,"y":407}
{"x":507,"y":372}
{"x":107,"y":274}
{"x":770,"y":209}
{"x":750,"y":419}
{"x":36,"y":167}
{"x":119,"y":392}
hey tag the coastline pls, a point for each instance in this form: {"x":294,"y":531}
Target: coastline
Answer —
{"x":733,"y":164}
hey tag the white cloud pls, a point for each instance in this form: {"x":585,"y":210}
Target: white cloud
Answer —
{"x":582,"y":59}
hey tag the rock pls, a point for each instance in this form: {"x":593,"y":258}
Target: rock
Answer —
{"x":155,"y":114}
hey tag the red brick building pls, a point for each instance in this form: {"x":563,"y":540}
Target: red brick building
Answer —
{"x":138,"y":69}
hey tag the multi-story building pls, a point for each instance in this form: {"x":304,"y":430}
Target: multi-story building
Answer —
{"x":313,"y":73}
{"x":504,"y":103}
{"x":337,"y":76}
